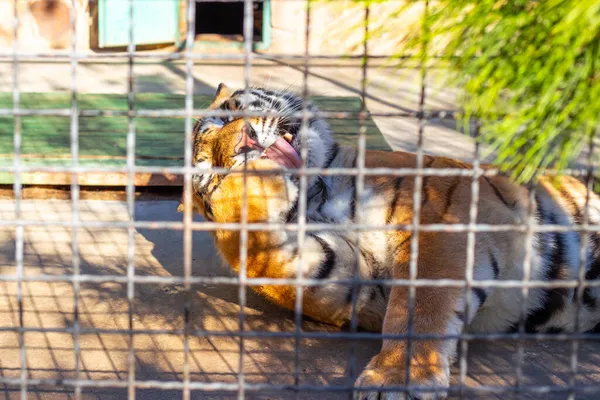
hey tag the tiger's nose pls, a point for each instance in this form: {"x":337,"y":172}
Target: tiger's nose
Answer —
{"x":247,"y":141}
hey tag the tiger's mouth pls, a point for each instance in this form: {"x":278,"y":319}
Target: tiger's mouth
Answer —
{"x":281,"y":151}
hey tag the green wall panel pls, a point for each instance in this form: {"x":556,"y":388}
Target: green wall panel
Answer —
{"x":154,"y":21}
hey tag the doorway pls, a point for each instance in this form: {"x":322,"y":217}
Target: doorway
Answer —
{"x":224,"y":21}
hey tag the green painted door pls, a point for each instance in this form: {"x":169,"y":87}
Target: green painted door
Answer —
{"x":154,"y":22}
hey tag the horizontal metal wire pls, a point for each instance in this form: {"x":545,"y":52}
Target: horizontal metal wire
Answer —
{"x":446,"y":172}
{"x":203,"y":112}
{"x":258,"y":387}
{"x":449,"y":172}
{"x":261,"y":226}
{"x":224,"y":280}
{"x":325,"y":335}
{"x":25,"y":56}
{"x":245,"y":59}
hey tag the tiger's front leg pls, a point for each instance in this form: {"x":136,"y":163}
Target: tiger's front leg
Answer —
{"x":436,"y":312}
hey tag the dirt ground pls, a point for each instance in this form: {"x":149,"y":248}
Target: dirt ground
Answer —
{"x":158,"y":307}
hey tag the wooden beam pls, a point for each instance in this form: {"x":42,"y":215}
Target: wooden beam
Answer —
{"x":101,"y":179}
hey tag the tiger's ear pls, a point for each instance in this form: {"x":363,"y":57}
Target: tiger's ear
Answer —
{"x":222,"y":94}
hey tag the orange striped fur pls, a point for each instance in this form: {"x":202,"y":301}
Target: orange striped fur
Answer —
{"x":385,"y":254}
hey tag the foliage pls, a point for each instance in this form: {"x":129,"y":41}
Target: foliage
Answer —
{"x":528,"y":70}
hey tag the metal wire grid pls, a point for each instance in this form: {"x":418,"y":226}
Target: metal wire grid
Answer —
{"x":302,"y":227}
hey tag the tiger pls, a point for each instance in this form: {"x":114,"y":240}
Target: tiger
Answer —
{"x":273,"y":143}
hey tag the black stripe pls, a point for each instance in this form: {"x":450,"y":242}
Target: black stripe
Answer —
{"x":578,"y":216}
{"x":392,"y":209}
{"x":353,"y":195}
{"x":318,"y":193}
{"x":279,"y":102}
{"x":267,"y":123}
{"x":349,"y":294}
{"x":208,"y":211}
{"x":539,"y":210}
{"x":293,"y":101}
{"x":592,"y":274}
{"x":262,"y":90}
{"x":555,"y":299}
{"x":424,"y":191}
{"x":373,"y":293}
{"x":295,"y":249}
{"x":263,"y":93}
{"x":400,"y":245}
{"x":494,"y":265}
{"x":449,"y":196}
{"x":328,"y":263}
{"x":382,"y":291}
{"x":514,"y":328}
{"x":256,"y":104}
{"x":498,"y":193}
{"x":270,"y":102}
{"x":332,"y":155}
{"x":350,"y":287}
{"x":321,"y":188}
{"x":292,"y":127}
{"x":350,"y":244}
{"x":424,"y":183}
{"x":240,"y":97}
{"x":292,"y":213}
{"x":481,"y":295}
{"x":588,"y":299}
{"x":370,"y":260}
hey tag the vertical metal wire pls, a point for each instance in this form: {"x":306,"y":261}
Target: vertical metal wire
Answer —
{"x":187,"y":196}
{"x":243,"y":274}
{"x":473,"y":210}
{"x":526,"y":281}
{"x":418,"y":187}
{"x":581,"y":270}
{"x":360,"y":186}
{"x":74,"y":136}
{"x":131,"y":134}
{"x":17,"y":139}
{"x":302,"y":199}
{"x":302,"y":217}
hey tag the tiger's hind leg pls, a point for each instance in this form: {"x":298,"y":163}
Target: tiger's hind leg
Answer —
{"x":437,"y":311}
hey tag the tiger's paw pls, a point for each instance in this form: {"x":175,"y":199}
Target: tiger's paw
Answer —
{"x":383,"y":377}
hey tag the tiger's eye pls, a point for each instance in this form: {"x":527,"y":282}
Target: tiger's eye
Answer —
{"x":251,"y":132}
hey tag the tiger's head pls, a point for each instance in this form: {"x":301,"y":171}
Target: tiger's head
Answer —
{"x":229,"y":145}
{"x":229,"y":142}
{"x":286,"y":124}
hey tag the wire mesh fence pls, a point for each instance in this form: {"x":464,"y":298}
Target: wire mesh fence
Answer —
{"x":185,"y":383}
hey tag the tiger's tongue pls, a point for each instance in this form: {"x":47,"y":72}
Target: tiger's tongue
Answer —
{"x":283,"y":154}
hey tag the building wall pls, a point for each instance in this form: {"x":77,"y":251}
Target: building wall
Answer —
{"x":43,"y":24}
{"x":336,"y":26}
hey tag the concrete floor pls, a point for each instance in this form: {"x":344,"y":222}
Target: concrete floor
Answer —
{"x":213,"y":359}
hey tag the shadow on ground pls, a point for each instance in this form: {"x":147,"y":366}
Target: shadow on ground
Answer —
{"x":157,"y":314}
